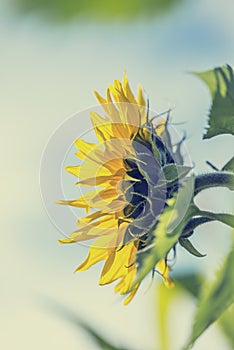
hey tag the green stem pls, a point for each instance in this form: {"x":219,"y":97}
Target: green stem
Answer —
{"x":227,"y":219}
{"x":218,"y":179}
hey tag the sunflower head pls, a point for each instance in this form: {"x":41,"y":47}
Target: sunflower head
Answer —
{"x":132,"y":173}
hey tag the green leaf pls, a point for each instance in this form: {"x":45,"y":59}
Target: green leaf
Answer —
{"x":167,"y":231}
{"x":185,"y":243}
{"x":174,"y":172}
{"x":220,"y":82}
{"x":217,"y":296}
{"x":229,"y":166}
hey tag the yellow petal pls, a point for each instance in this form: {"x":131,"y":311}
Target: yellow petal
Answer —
{"x":112,"y":110}
{"x":109,"y":193}
{"x":100,"y":99}
{"x":116,"y":205}
{"x":106,"y":175}
{"x":96,"y":253}
{"x":102,"y":127}
{"x":125,"y":283}
{"x":141,"y":99}
{"x":105,"y":226}
{"x":94,"y":257}
{"x":74,"y":170}
{"x":130,"y":296}
{"x":84,"y":148}
{"x":94,"y":167}
{"x":160,"y":128}
{"x":91,"y":217}
{"x":164,"y":269}
{"x":95,"y":181}
{"x":90,"y":199}
{"x":142,"y":106}
{"x":118,"y":92}
{"x":108,"y":106}
{"x":127,"y":90}
{"x":113,"y":165}
{"x":75,"y":237}
{"x":117,"y":265}
{"x":79,"y":203}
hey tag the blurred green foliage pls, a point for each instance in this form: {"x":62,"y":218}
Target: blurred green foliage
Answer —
{"x":60,"y":10}
{"x":167,"y":297}
{"x":215,"y":298}
{"x":226,"y":324}
{"x":76,"y":321}
{"x":194,"y":285}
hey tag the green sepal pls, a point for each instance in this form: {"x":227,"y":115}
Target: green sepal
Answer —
{"x":174,"y":172}
{"x":229,"y":166}
{"x":193,"y":224}
{"x":185,"y":243}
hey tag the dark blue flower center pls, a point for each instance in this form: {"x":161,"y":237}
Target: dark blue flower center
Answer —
{"x":145,"y":188}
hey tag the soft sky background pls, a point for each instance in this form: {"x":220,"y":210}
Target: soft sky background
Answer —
{"x":48,"y":73}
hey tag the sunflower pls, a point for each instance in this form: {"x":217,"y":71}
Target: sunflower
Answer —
{"x":128,"y":188}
